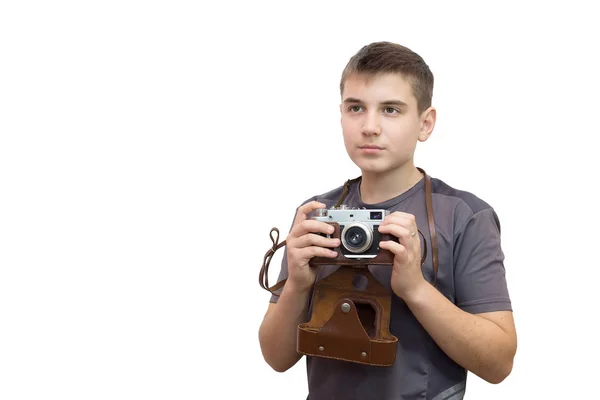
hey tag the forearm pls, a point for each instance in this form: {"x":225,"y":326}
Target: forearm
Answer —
{"x":278,"y":331}
{"x":473,"y":342}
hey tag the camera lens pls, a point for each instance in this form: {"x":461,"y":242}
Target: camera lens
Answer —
{"x":357,"y":237}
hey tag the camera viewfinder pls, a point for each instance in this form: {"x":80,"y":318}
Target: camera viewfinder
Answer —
{"x":376,"y":215}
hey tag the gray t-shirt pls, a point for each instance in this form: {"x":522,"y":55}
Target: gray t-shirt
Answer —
{"x":470,"y":274}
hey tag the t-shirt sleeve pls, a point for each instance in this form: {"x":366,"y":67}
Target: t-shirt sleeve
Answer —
{"x":480,"y":279}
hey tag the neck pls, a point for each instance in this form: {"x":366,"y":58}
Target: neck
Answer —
{"x":379,"y":187}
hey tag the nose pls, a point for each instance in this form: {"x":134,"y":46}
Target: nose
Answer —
{"x":371,"y":125}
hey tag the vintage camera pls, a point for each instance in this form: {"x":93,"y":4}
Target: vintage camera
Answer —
{"x":358,"y":229}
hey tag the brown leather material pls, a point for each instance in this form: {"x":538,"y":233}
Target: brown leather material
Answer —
{"x":350,"y":320}
{"x":346,"y":190}
{"x":263,"y":276}
{"x":431,"y":224}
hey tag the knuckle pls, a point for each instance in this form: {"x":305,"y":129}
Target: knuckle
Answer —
{"x":292,"y":237}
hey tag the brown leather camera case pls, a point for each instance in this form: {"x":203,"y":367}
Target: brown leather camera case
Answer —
{"x":350,"y":319}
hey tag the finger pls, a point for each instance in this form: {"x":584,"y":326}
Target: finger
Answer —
{"x":312,"y":239}
{"x":314,"y":251}
{"x":401,"y":232}
{"x":312,"y":226}
{"x":407,"y":223}
{"x":399,"y":251}
{"x":306,"y":209}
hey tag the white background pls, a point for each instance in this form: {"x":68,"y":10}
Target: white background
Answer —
{"x":147,"y":148}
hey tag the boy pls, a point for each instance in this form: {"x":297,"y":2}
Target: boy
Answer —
{"x":455,"y":319}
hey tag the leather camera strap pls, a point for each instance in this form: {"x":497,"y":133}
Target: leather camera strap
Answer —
{"x":431,"y":223}
{"x":263,"y":278}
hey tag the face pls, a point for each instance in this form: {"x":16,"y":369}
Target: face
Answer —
{"x":380,"y":122}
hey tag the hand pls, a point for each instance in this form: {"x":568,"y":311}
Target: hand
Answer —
{"x":304,"y":243}
{"x":406,"y":273}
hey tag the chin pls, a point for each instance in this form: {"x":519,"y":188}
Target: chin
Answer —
{"x":372,"y":167}
{"x":375,"y":166}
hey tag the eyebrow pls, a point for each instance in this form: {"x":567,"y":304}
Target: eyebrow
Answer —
{"x":386,"y":103}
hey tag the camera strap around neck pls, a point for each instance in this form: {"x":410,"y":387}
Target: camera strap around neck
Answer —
{"x":264,"y":271}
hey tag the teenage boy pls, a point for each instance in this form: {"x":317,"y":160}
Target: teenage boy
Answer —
{"x":455,"y":319}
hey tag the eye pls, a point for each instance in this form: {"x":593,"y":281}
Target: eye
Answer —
{"x":355,"y":109}
{"x":390,"y":110}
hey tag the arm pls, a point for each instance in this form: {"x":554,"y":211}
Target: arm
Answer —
{"x":485,"y":344}
{"x":278,"y":331}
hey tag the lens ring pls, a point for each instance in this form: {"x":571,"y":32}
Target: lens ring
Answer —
{"x":368,"y":237}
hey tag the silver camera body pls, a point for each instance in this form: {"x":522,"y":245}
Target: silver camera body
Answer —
{"x":359,"y":229}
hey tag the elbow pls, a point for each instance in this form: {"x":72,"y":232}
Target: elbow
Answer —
{"x":503,"y":365}
{"x":273,"y":357}
{"x":278,"y":367}
{"x":500,"y":374}
{"x":276,"y":363}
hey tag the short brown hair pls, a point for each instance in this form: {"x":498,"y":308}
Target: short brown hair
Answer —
{"x":386,"y":57}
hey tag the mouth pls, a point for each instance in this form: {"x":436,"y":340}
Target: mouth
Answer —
{"x":370,"y":149}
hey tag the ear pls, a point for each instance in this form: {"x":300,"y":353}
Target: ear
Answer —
{"x":427,"y":123}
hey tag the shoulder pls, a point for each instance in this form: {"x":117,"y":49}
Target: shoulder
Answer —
{"x":329,"y":198}
{"x":462,"y":204}
{"x":459,"y":197}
